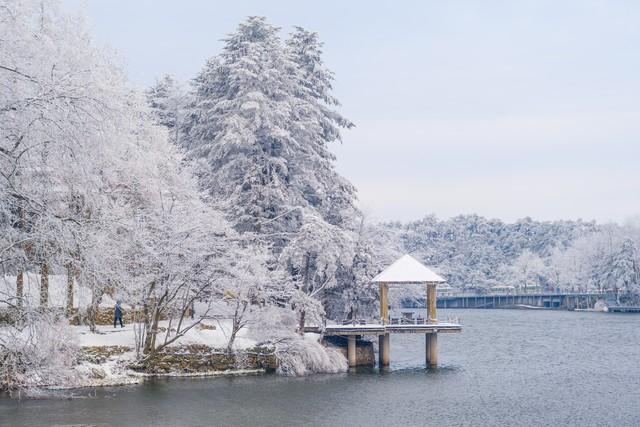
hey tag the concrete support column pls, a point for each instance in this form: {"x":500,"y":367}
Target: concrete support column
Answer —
{"x":383,"y":350}
{"x":351,"y":350}
{"x":431,"y":303}
{"x":431,"y":349}
{"x":384,"y":303}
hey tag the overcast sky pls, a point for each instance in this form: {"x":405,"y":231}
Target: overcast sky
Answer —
{"x":502,"y":108}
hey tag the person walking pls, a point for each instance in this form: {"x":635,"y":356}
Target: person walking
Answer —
{"x":117,"y":314}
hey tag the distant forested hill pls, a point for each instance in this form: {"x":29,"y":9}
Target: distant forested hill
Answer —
{"x":476,"y":252}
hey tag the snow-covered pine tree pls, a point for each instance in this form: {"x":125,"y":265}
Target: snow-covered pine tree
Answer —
{"x":622,"y":272}
{"x":167,"y":100}
{"x":316,"y":124}
{"x":238,"y":130}
{"x":326,"y":261}
{"x":259,"y":127}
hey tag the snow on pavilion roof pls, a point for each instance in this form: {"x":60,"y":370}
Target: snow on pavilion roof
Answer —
{"x":407,"y":270}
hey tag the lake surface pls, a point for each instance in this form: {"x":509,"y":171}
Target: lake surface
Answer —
{"x":508,"y":367}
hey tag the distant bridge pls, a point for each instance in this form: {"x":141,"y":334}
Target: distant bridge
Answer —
{"x":567,"y":300}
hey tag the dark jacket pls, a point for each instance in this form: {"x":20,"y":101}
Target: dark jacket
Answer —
{"x":117,"y":311}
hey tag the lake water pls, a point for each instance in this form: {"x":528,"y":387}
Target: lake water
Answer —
{"x":508,"y":367}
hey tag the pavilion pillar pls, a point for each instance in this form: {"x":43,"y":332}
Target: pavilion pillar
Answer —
{"x":431,"y":340}
{"x":431,"y":303}
{"x":384,"y":303}
{"x":383,"y":340}
{"x":431,"y":349}
{"x":351,"y":350}
{"x":383,"y":350}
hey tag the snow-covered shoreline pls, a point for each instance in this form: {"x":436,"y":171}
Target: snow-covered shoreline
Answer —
{"x":135,"y":378}
{"x":107,"y":357}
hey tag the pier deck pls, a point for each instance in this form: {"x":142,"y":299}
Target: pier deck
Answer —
{"x":383,"y":331}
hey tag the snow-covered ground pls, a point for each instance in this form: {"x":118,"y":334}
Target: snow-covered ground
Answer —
{"x":114,"y":369}
{"x":216,"y":338}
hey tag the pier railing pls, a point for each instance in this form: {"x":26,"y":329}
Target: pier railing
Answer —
{"x":557,"y":300}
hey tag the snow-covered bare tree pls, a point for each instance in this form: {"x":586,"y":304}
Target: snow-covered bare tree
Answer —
{"x":59,"y":107}
{"x":90,"y":183}
{"x":313,"y":258}
{"x":527,"y":271}
{"x":248,"y":291}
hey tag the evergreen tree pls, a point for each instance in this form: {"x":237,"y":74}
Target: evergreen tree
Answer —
{"x":167,"y":101}
{"x":622,"y":271}
{"x":259,"y":127}
{"x":316,"y":124}
{"x":238,"y":129}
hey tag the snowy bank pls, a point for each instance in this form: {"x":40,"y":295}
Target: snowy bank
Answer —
{"x":108,"y":357}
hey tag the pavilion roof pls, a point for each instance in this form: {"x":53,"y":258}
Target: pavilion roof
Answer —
{"x":407,"y":270}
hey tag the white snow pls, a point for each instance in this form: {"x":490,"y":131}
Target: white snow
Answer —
{"x":114,"y":371}
{"x":216,"y":338}
{"x":407,"y":270}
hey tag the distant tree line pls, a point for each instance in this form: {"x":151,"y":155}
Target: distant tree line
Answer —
{"x":477,"y":253}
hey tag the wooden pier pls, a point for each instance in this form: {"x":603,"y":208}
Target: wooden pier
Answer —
{"x":381,"y":329}
{"x":404,"y":271}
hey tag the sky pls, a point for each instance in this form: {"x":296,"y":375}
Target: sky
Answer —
{"x":505,"y":109}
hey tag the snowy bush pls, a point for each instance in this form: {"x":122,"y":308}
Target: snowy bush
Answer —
{"x":299,"y":356}
{"x":40,"y":352}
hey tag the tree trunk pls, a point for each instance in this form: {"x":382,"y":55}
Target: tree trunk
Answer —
{"x":235,"y":325}
{"x":44,"y":285}
{"x":152,"y":320}
{"x":19,"y":289}
{"x":69,"y":309}
{"x":232,"y":338}
{"x":301,"y":322}
{"x":152,"y":332}
{"x":92,"y":311}
{"x":147,"y":339}
{"x":156,"y":320}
